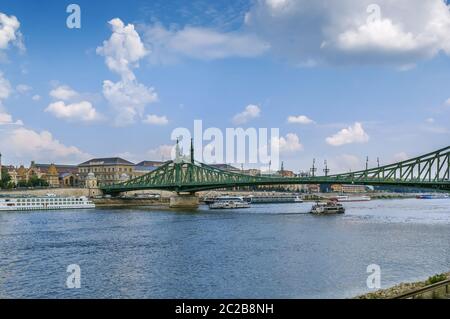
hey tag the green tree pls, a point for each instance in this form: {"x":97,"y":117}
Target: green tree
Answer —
{"x":6,"y":178}
{"x":36,"y":181}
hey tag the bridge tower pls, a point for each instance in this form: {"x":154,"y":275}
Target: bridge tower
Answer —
{"x":326,"y":170}
{"x":187,"y":200}
{"x":313,"y":168}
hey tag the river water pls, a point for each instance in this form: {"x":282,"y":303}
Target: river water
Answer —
{"x":267,"y":251}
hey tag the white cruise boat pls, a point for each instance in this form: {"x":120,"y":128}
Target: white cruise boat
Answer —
{"x":345,"y":198}
{"x":48,"y":202}
{"x":229,"y":202}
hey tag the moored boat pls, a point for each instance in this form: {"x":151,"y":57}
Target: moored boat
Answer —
{"x":345,"y":198}
{"x":229,"y":202}
{"x":49,"y":202}
{"x":432,"y":196}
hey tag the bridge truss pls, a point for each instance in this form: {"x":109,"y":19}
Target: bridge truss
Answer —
{"x":430,"y":171}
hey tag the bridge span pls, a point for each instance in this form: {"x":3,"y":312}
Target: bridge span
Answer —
{"x":431,"y":171}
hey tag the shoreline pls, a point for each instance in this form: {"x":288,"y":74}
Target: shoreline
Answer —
{"x":402,"y":288}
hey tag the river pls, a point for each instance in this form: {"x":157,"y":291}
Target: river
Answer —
{"x":267,"y":251}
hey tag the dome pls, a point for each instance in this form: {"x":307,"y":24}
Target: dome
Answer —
{"x":91,"y":175}
{"x":52,"y":170}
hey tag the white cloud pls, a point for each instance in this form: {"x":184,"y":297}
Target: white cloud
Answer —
{"x":6,"y":118}
{"x":344,"y":163}
{"x":128,"y":99}
{"x":156,"y":120}
{"x":301,"y":119}
{"x":63,"y":92}
{"x":430,"y":120}
{"x":36,"y":97}
{"x":352,"y":134}
{"x":349,"y":31}
{"x":9,"y":32}
{"x":447,"y":102}
{"x":122,"y":52}
{"x":24,"y":143}
{"x":401,"y":156}
{"x":23,"y":88}
{"x":5,"y":88}
{"x":163,"y":152}
{"x":200,"y":43}
{"x":288,"y":144}
{"x":250,"y":112}
{"x":82,"y":111}
{"x":70,"y":105}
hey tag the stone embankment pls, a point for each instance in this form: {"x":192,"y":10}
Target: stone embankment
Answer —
{"x":399,"y":289}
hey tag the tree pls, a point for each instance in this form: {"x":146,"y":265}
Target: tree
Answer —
{"x":6,"y":178}
{"x":36,"y":181}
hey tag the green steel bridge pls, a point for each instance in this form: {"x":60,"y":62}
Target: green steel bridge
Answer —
{"x":184,"y":175}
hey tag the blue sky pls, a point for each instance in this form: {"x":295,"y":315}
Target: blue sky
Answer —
{"x":385,"y":83}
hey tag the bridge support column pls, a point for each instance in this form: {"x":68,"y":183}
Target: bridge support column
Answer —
{"x":189,"y":201}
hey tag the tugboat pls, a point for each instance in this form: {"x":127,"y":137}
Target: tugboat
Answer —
{"x":229,"y":202}
{"x":327,"y":208}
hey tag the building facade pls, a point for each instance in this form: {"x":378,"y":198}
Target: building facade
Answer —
{"x":342,"y":188}
{"x":107,"y":171}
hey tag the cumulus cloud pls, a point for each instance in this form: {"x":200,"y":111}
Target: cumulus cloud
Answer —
{"x":128,"y":99}
{"x":287,"y":144}
{"x":301,"y":119}
{"x":399,"y":32}
{"x":36,"y":97}
{"x":6,"y":118}
{"x":63,"y":92}
{"x":251,"y":111}
{"x":123,"y":49}
{"x":156,"y":120}
{"x":26,"y":143}
{"x":70,"y":105}
{"x":122,"y":52}
{"x":168,"y":45}
{"x":82,"y":111}
{"x":9,"y":32}
{"x":163,"y":152}
{"x":349,"y":135}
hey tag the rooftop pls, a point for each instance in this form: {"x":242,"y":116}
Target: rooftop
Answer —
{"x":150,"y":163}
{"x":106,"y":161}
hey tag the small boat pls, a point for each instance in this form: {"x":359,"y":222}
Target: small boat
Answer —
{"x":297,"y":199}
{"x":432,"y":196}
{"x":229,"y":202}
{"x":327,"y":208}
{"x":345,"y":198}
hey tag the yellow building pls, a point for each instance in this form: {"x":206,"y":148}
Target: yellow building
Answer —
{"x":339,"y":188}
{"x":107,"y":171}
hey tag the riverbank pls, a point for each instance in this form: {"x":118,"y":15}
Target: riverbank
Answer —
{"x":403,"y":288}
